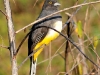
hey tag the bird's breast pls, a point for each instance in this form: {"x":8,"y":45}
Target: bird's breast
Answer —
{"x":51,"y":35}
{"x":58,"y":26}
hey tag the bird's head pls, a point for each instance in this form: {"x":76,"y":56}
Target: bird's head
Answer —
{"x":51,"y":4}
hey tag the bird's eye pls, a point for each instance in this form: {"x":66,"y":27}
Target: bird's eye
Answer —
{"x":50,"y":2}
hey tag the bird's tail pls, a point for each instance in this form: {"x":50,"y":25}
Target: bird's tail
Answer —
{"x":33,"y":67}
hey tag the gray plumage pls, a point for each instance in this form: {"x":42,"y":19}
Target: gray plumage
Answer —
{"x":38,"y":35}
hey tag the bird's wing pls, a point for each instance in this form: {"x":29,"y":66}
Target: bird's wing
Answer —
{"x":36,"y":36}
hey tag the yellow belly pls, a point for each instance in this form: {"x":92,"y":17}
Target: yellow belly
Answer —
{"x":46,"y":41}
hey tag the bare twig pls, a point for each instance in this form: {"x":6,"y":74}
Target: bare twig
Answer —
{"x":35,"y":3}
{"x":56,"y":13}
{"x":4,"y":47}
{"x":11,"y":33}
{"x":86,"y":19}
{"x":96,"y":11}
{"x":3,"y":13}
{"x":21,"y":43}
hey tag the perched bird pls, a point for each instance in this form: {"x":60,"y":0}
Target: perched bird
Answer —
{"x":43,"y":36}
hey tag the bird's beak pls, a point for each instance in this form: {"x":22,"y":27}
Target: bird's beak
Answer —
{"x":57,"y":4}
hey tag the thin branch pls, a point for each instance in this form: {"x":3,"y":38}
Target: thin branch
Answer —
{"x":35,"y":3}
{"x":3,"y":13}
{"x":96,"y":11}
{"x":86,"y":19}
{"x":60,"y":73}
{"x":71,"y":43}
{"x":4,"y":47}
{"x":83,"y":4}
{"x":21,"y":44}
{"x":61,"y":55}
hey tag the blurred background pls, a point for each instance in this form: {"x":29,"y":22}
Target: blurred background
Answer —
{"x":52,"y":60}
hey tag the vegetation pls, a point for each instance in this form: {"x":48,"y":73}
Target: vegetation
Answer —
{"x":86,"y":34}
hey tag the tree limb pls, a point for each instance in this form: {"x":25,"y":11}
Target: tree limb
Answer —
{"x":11,"y":34}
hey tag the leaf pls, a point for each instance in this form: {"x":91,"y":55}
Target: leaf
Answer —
{"x":95,"y":42}
{"x":78,"y":29}
{"x":80,"y":69}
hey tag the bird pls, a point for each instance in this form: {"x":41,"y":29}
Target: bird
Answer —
{"x":43,"y":35}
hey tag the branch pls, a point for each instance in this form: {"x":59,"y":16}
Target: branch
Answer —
{"x":3,"y":13}
{"x":83,"y":4}
{"x":4,"y":47}
{"x":11,"y":33}
{"x":21,"y":44}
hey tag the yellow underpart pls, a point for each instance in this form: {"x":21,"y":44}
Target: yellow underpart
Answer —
{"x":49,"y":37}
